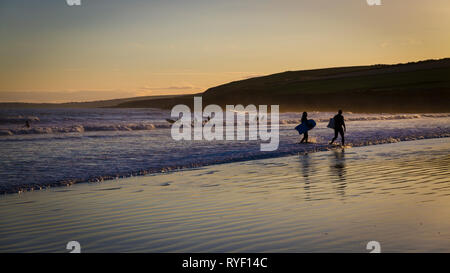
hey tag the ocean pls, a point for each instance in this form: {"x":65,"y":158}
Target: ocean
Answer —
{"x":67,"y":146}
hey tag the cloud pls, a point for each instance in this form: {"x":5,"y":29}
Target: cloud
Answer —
{"x":186,"y":87}
{"x":384,"y":44}
{"x":168,"y":90}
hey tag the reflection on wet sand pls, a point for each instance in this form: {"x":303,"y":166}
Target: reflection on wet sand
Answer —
{"x":338,"y":171}
{"x":337,"y":174}
{"x":306,"y":171}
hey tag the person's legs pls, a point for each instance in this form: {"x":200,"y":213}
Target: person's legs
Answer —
{"x":342,"y":136}
{"x":335,"y":135}
{"x":305,"y":138}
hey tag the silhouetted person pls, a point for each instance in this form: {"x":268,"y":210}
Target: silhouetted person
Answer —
{"x":339,"y":127}
{"x":27,"y":124}
{"x":305,"y":122}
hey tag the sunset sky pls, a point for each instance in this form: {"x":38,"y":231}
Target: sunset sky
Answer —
{"x":104,"y":49}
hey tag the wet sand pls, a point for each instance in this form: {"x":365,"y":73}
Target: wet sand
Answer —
{"x":334,"y":201}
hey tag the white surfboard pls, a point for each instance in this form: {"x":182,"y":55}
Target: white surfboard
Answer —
{"x":331,"y":123}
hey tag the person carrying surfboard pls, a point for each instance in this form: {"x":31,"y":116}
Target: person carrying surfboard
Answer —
{"x":304,"y":121}
{"x":304,"y":127}
{"x":339,"y":127}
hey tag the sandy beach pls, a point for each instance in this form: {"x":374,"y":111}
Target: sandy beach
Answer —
{"x":331,"y":201}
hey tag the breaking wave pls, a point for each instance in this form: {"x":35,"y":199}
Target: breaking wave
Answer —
{"x":18,"y":119}
{"x":82,"y":129}
{"x":151,"y":126}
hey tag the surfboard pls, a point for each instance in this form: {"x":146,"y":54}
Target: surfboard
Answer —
{"x":331,"y":123}
{"x":170,"y":121}
{"x":303,"y":128}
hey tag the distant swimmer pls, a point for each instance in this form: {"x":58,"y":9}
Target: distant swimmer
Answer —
{"x":27,"y":124}
{"x":206,"y":121}
{"x":339,"y":127}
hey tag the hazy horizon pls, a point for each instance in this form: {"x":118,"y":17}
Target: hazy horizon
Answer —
{"x":114,"y":49}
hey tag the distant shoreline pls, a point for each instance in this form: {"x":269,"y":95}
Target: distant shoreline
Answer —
{"x":299,"y":109}
{"x":87,"y":104}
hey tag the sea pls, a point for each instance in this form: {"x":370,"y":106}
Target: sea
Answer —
{"x":67,"y":146}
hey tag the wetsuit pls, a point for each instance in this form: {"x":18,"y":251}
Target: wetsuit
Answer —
{"x":339,"y":125}
{"x":305,"y":135}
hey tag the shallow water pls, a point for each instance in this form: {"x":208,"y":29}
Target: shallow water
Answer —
{"x":334,"y":201}
{"x":67,"y":146}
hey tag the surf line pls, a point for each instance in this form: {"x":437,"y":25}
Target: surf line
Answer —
{"x":235,"y":123}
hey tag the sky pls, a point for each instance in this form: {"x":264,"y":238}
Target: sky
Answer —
{"x":105,"y":49}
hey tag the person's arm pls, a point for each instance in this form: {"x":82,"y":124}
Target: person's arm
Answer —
{"x":343,"y":124}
